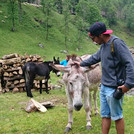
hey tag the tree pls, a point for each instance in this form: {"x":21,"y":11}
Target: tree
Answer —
{"x":73,"y":4}
{"x":66,"y":14}
{"x":30,"y":1}
{"x":59,"y":6}
{"x":109,"y":11}
{"x":130,"y":18}
{"x":13,"y":12}
{"x":88,"y":11}
{"x":20,"y":10}
{"x":47,"y":8}
{"x":81,"y":26}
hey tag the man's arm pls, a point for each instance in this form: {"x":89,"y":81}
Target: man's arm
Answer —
{"x":127,"y":61}
{"x":93,"y":59}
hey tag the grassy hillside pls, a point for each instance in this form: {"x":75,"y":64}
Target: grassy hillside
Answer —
{"x":30,"y":33}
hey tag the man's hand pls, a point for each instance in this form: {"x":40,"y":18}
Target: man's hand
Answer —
{"x":76,"y":62}
{"x":124,"y":89}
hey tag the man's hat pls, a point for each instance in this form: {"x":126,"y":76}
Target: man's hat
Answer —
{"x":99,"y":28}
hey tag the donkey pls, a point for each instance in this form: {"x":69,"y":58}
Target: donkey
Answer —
{"x":38,"y":71}
{"x":78,"y":81}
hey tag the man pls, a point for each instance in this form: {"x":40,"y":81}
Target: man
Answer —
{"x":119,"y":66}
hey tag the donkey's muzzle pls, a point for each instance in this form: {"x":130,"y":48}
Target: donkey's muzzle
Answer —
{"x":77,"y":107}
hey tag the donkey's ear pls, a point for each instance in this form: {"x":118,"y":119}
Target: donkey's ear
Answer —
{"x":60,"y":67}
{"x":54,"y":58}
{"x":58,"y":58}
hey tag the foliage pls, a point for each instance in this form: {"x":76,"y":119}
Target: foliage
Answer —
{"x":130,"y":17}
{"x":109,"y":11}
{"x":59,"y":6}
{"x":89,"y":12}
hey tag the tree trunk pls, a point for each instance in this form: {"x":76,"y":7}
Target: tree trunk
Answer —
{"x":20,"y":10}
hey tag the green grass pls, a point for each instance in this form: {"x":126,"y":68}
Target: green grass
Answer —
{"x":15,"y":120}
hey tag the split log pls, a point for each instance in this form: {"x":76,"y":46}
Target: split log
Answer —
{"x":43,"y":81}
{"x":22,"y":80}
{"x":34,"y":59}
{"x":40,"y":60}
{"x":20,"y":71}
{"x":16,"y":65}
{"x":6,"y":74}
{"x":23,"y":58}
{"x":11,"y":61}
{"x":56,"y":86}
{"x":43,"y":85}
{"x":21,"y":89}
{"x":13,"y":69}
{"x":33,"y":105}
{"x":16,"y":82}
{"x":10,"y":56}
{"x":10,"y":86}
{"x":10,"y":74}
{"x":0,"y":90}
{"x":8,"y":83}
{"x":38,"y":86}
{"x":1,"y":71}
{"x":6,"y":90}
{"x":23,"y":61}
{"x":0,"y":87}
{"x":35,"y":84}
{"x":20,"y":85}
{"x":17,"y":77}
{"x":5,"y":67}
{"x":48,"y":104}
{"x":15,"y":90}
{"x":38,"y":57}
{"x":28,"y":59}
{"x":15,"y":73}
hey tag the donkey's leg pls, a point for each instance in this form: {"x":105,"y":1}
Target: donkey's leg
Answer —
{"x":0,"y":86}
{"x":46,"y":86}
{"x":87,"y":108}
{"x":27,"y":84}
{"x":90,"y":101}
{"x":28,"y":89}
{"x":30,"y":84}
{"x":95,"y":102}
{"x":70,"y":113}
{"x":40,"y":86}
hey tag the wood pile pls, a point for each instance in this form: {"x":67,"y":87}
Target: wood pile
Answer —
{"x":11,"y":67}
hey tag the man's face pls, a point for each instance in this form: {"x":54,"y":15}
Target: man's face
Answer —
{"x":97,"y":39}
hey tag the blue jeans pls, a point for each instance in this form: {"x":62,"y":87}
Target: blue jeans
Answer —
{"x":110,"y":107}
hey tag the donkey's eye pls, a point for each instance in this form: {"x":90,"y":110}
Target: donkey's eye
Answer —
{"x":71,"y":83}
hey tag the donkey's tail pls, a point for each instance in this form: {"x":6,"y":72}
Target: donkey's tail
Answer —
{"x":26,"y":70}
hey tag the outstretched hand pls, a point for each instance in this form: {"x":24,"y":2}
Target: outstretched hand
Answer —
{"x":76,"y":62}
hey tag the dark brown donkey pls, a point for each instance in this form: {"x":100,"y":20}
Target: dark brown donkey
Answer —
{"x":38,"y":71}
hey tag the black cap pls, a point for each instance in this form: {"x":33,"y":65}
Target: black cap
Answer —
{"x":99,"y":28}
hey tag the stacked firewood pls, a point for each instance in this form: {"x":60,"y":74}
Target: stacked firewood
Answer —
{"x":12,"y":71}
